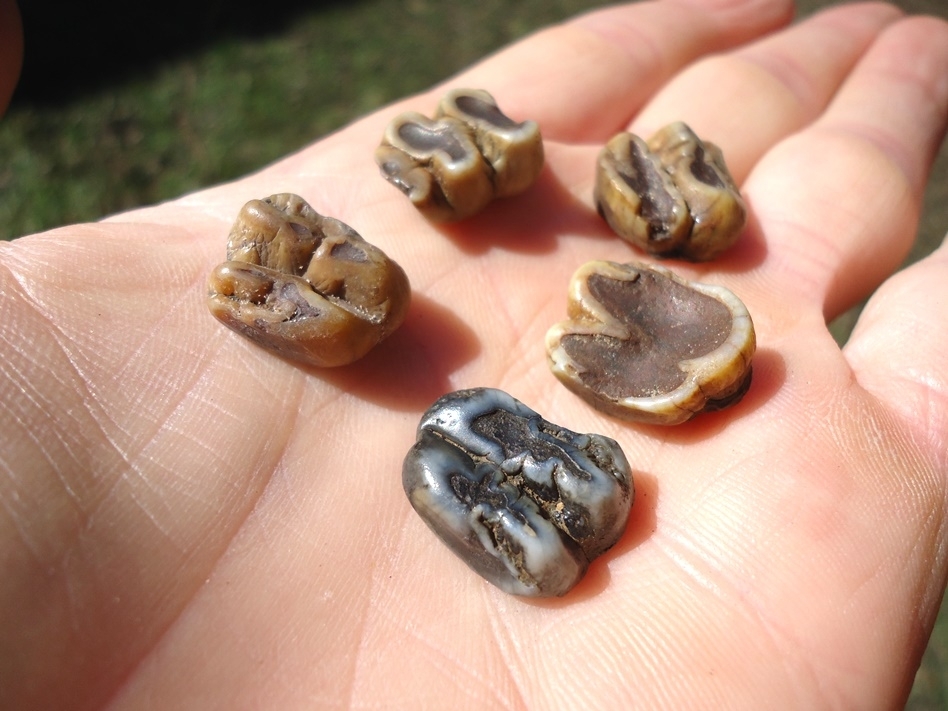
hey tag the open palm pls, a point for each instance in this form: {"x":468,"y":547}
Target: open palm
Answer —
{"x":191,"y":522}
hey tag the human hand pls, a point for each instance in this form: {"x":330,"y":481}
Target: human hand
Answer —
{"x":189,"y":521}
{"x":11,"y":50}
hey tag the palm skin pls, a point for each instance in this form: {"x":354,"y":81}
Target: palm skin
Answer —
{"x":190,"y":522}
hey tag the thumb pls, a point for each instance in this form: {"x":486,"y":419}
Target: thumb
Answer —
{"x":897,"y":350}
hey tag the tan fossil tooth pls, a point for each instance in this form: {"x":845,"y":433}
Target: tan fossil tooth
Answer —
{"x":306,"y":286}
{"x":670,"y":196}
{"x":644,"y":344}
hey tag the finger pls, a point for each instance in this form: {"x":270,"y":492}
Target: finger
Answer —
{"x":839,"y":202}
{"x":583,"y":80}
{"x":748,"y":99}
{"x":897,"y":350}
{"x":11,"y":50}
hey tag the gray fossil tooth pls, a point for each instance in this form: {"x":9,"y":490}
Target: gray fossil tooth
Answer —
{"x":525,"y":503}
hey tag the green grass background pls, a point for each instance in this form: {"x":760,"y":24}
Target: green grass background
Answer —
{"x":124,"y":104}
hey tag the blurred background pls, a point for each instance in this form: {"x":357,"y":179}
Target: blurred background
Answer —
{"x":124,"y":104}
